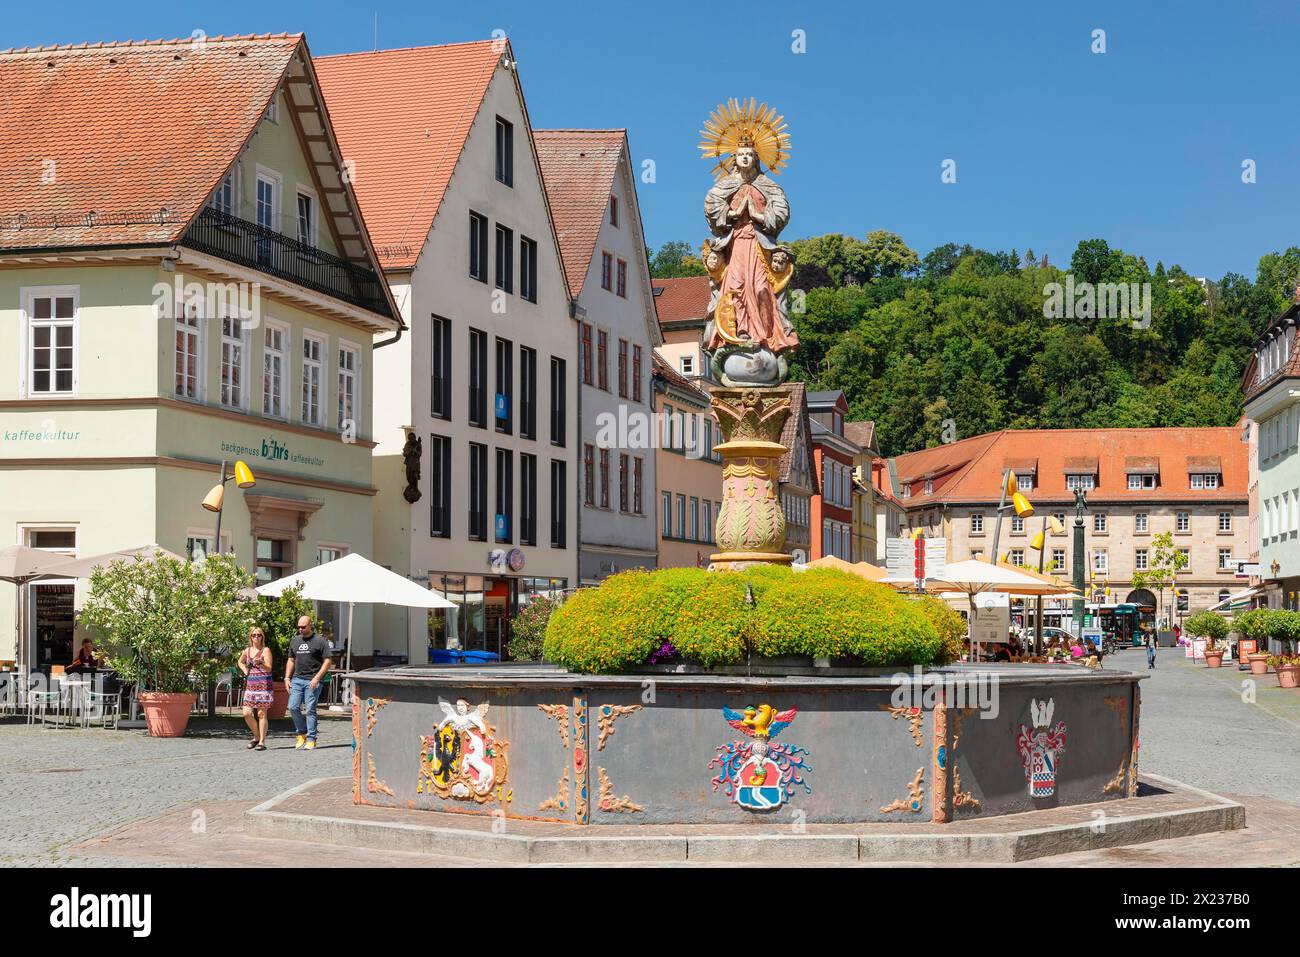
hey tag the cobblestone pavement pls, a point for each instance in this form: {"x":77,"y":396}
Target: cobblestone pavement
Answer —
{"x":61,"y":789}
{"x":1196,"y":728}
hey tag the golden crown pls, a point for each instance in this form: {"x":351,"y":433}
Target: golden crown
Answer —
{"x":735,"y":124}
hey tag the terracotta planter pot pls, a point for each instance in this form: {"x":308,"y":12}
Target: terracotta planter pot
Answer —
{"x":1288,"y":676}
{"x":166,"y":714}
{"x":279,"y":703}
{"x":1258,"y":664}
{"x":1214,"y":659}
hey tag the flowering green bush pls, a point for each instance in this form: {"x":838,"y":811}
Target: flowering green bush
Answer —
{"x":707,"y":619}
{"x":529,"y":626}
{"x":170,"y":625}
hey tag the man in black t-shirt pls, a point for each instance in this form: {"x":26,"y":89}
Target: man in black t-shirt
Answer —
{"x":309,"y":660}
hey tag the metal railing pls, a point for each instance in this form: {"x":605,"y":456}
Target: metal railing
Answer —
{"x":257,"y":247}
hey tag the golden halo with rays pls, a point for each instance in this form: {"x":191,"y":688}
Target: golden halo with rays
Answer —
{"x":735,"y":124}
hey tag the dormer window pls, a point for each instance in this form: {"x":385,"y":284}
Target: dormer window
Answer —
{"x":1024,"y":483}
{"x":1204,"y":480}
{"x":907,"y":490}
{"x":929,"y":486}
{"x":1140,"y":482}
{"x":1075,"y":482}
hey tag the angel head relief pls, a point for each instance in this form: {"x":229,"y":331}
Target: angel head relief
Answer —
{"x":749,"y":336}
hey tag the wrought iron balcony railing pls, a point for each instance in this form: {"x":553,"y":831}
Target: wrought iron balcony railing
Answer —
{"x":257,"y":247}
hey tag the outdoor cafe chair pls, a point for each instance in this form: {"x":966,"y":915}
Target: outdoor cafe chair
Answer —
{"x":100,"y":707}
{"x":41,"y":703}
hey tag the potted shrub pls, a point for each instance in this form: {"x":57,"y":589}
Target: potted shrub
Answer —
{"x":1214,"y":629}
{"x":1249,"y":624}
{"x":1284,"y":627}
{"x":278,"y":618}
{"x":169,"y":627}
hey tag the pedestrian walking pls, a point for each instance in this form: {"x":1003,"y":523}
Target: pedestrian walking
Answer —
{"x":1151,"y":653}
{"x":308,"y":662}
{"x":255,"y":663}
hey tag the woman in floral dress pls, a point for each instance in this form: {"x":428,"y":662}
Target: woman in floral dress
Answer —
{"x":255,"y":663}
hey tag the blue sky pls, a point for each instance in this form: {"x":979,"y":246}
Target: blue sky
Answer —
{"x":1141,"y":145}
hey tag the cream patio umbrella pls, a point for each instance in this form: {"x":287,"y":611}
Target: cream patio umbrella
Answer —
{"x":862,"y":569}
{"x":20,"y":564}
{"x":85,"y":567}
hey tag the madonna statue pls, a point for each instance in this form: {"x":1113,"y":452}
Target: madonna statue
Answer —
{"x":749,"y":336}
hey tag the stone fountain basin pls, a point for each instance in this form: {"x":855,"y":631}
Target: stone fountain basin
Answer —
{"x":619,"y":749}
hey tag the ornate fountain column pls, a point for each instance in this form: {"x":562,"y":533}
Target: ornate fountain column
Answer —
{"x":749,"y":337}
{"x":751,"y":524}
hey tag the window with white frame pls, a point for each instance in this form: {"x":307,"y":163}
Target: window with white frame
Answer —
{"x":233,"y":393}
{"x":1140,"y":522}
{"x":1140,"y":558}
{"x":1187,"y":558}
{"x":189,"y":352}
{"x":52,"y":341}
{"x":349,"y":370}
{"x":1025,"y":482}
{"x":977,"y":524}
{"x":1183,"y":522}
{"x":306,"y":218}
{"x":313,"y":352}
{"x":1138,"y":481}
{"x":1100,"y":561}
{"x":1099,"y":522}
{"x":1017,"y":525}
{"x":1225,"y":521}
{"x":275,"y":339}
{"x":268,"y":190}
{"x":1017,"y":556}
{"x":1225,"y":558}
{"x":1205,"y":480}
{"x":1058,"y":559}
{"x":1087,"y":482}
{"x":226,"y":198}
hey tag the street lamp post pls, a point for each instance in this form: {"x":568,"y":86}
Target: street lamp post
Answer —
{"x":213,"y":502}
{"x":1018,"y":502}
{"x":1080,"y":503}
{"x":216,"y":498}
{"x":1040,"y":543}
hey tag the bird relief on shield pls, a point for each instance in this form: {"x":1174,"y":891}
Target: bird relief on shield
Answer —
{"x":1041,"y":748}
{"x":760,"y":774}
{"x":463,"y":759}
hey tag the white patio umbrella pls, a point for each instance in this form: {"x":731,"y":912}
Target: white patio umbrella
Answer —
{"x":354,"y":579}
{"x":20,"y":564}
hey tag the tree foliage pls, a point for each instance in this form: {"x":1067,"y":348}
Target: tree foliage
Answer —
{"x":961,"y":335}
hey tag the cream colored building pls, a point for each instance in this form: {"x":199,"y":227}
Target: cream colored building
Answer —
{"x":171,"y":307}
{"x":476,"y":407}
{"x":1138,"y":482}
{"x":593,"y":199}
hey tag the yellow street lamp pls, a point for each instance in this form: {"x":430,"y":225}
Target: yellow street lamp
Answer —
{"x":1019,"y":503}
{"x":216,"y":498}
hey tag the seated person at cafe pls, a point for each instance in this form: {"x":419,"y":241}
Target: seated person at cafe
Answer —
{"x":88,"y":659}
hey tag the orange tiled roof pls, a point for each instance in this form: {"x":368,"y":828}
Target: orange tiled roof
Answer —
{"x":402,"y":116}
{"x":578,"y":168}
{"x":120,"y":144}
{"x":682,"y":300}
{"x":971,"y":470}
{"x":666,"y":372}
